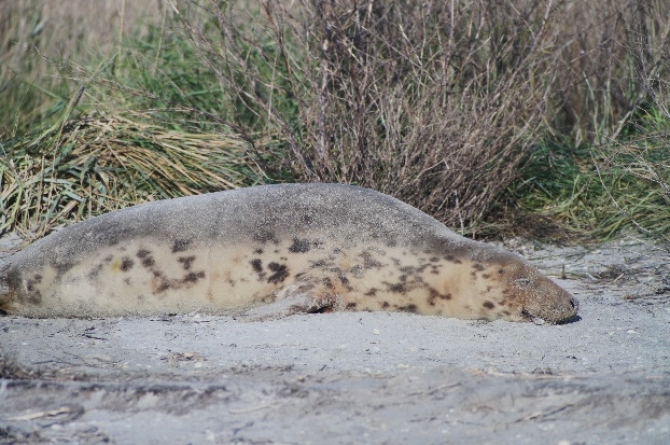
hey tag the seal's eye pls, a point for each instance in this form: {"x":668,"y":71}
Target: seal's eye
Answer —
{"x":522,"y":281}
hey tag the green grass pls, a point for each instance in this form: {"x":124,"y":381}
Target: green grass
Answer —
{"x":195,"y":106}
{"x":599,"y":191}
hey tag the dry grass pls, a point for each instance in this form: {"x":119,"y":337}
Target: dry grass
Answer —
{"x":35,"y":34}
{"x":439,"y":103}
{"x":69,"y":28}
{"x":87,"y":167}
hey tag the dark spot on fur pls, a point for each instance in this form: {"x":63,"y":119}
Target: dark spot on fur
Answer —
{"x":258,"y":251}
{"x":321,"y":264}
{"x":453,"y":259}
{"x":385,"y":304}
{"x":180,"y":245}
{"x":506,"y":313}
{"x":409,"y":308}
{"x":501,"y":271}
{"x":280,"y":273}
{"x":398,"y":287}
{"x":186,"y":261}
{"x":433,"y":295}
{"x":371,"y":293}
{"x":299,"y":246}
{"x":434,"y":259}
{"x":108,"y":259}
{"x":193,"y":277}
{"x":328,"y":283}
{"x":37,"y":278}
{"x":190,"y":278}
{"x":488,"y":305}
{"x":145,"y":256}
{"x":162,"y":287}
{"x":12,"y":280}
{"x":369,"y":262}
{"x":489,"y":289}
{"x":143,"y":253}
{"x":265,"y":236}
{"x":306,"y":219}
{"x":35,"y":298}
{"x":257,"y":265}
{"x":148,"y":262}
{"x":478,"y":267}
{"x":127,"y":264}
{"x":351,"y":305}
{"x":486,"y":276}
{"x":62,"y":268}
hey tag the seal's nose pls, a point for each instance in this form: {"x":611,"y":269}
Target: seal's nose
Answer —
{"x":574,"y":303}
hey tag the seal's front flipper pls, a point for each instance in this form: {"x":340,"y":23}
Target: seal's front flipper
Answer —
{"x":287,"y":303}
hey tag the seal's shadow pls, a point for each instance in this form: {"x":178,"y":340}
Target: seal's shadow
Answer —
{"x":574,"y":319}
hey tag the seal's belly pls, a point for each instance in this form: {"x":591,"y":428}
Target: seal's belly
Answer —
{"x":151,"y":276}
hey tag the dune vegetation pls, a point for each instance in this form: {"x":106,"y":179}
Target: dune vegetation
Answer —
{"x":542,"y":118}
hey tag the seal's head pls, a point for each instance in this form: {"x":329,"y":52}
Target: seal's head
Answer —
{"x":535,"y":296}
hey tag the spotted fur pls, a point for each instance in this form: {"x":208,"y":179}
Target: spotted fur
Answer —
{"x":344,"y":247}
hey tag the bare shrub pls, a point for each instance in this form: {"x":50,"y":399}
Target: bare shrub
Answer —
{"x":433,"y":102}
{"x":610,"y":55}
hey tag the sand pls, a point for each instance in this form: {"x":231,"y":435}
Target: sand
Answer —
{"x":359,"y":378}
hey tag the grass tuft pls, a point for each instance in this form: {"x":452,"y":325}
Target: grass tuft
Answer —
{"x":80,"y":168}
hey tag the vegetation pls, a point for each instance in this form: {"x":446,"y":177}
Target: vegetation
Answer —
{"x":488,"y":115}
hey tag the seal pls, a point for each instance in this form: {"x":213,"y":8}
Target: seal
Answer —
{"x":320,"y":247}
